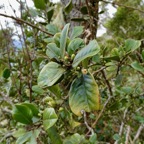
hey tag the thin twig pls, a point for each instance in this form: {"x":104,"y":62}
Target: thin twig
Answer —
{"x":122,"y":125}
{"x":25,"y":22}
{"x":127,"y":135}
{"x":107,"y":82}
{"x":101,"y":112}
{"x":102,"y":68}
{"x":141,"y":127}
{"x":85,"y":122}
{"x":121,"y":5}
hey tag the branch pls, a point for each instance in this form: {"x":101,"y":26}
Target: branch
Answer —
{"x":25,"y":22}
{"x":107,"y":82}
{"x":138,"y":133}
{"x":122,"y":125}
{"x":121,"y":5}
{"x":85,"y":121}
{"x":101,"y":112}
{"x":127,"y":135}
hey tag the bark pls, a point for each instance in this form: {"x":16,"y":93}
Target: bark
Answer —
{"x":92,"y":7}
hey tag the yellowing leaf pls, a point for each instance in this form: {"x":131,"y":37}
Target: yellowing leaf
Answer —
{"x":84,"y":95}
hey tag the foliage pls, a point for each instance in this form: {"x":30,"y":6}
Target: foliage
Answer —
{"x":64,"y":87}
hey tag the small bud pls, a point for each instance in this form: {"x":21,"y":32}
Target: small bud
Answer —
{"x":72,"y":56}
{"x":61,"y":109}
{"x":66,"y":58}
{"x":84,"y":71}
{"x":78,"y":68}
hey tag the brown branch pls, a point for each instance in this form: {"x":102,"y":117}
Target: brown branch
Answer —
{"x":101,"y":112}
{"x":25,"y":22}
{"x":121,"y":5}
{"x":107,"y":82}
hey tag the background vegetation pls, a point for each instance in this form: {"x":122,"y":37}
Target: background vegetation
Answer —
{"x":62,"y":84}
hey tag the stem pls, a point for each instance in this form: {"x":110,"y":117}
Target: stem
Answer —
{"x":21,"y":21}
{"x":107,"y":82}
{"x":121,"y":5}
{"x":127,"y":135}
{"x":122,"y":125}
{"x":85,"y":122}
{"x":141,"y":127}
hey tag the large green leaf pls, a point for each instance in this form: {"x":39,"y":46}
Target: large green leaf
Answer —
{"x":22,"y":114}
{"x":77,"y":31}
{"x":74,"y":45}
{"x":40,"y":4}
{"x":30,"y":137}
{"x":131,"y":44}
{"x":54,"y":136}
{"x":88,"y":51}
{"x":50,"y":74}
{"x":63,"y":39}
{"x":137,"y":66}
{"x":49,"y":118}
{"x":75,"y":139}
{"x":24,"y":138}
{"x":33,"y":108}
{"x":84,"y":95}
{"x":53,"y":51}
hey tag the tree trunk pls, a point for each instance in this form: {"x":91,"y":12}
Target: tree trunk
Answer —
{"x":91,"y":23}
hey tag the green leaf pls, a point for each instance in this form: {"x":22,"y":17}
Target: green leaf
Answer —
{"x":84,"y":95}
{"x":75,"y":139}
{"x":93,"y":139}
{"x":131,"y":45}
{"x":139,"y":118}
{"x":33,"y":138}
{"x":63,"y":39}
{"x":20,"y":132}
{"x":137,"y":67}
{"x":88,"y":51}
{"x":53,"y":51}
{"x":68,"y":7}
{"x":112,"y":58}
{"x":77,"y":31}
{"x":22,"y":114}
{"x":84,"y":10}
{"x":6,"y":73}
{"x":143,"y":54}
{"x":55,"y":90}
{"x":40,"y":4}
{"x":116,"y":137}
{"x":50,"y":14}
{"x":50,"y":74}
{"x":30,"y":137}
{"x":49,"y":118}
{"x":56,"y":39}
{"x":52,"y":29}
{"x":78,"y":19}
{"x":37,"y":89}
{"x":24,"y":138}
{"x":74,"y":45}
{"x":53,"y":135}
{"x":33,"y":108}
